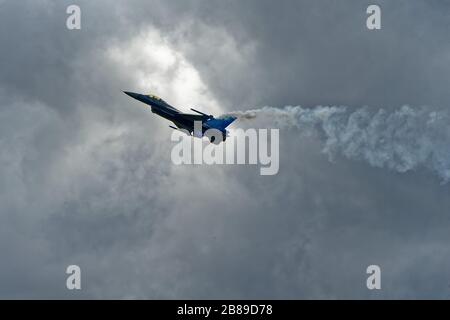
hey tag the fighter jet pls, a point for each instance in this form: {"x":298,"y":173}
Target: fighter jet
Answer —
{"x":184,"y":120}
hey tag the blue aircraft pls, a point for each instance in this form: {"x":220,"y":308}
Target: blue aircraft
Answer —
{"x":184,"y":120}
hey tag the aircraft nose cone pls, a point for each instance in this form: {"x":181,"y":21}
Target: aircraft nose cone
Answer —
{"x":131,"y":94}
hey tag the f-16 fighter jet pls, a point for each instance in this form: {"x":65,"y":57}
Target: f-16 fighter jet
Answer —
{"x":186,"y":121}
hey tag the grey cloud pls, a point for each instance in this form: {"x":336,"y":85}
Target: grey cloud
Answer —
{"x":87,"y":178}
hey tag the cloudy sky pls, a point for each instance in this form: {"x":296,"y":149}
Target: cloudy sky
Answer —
{"x":86,"y":176}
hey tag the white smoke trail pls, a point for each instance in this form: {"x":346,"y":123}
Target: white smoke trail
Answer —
{"x":401,"y":140}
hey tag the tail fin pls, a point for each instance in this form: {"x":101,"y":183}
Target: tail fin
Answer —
{"x":221,"y":123}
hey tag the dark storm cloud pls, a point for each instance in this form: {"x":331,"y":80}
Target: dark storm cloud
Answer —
{"x":320,"y":52}
{"x":87,"y":178}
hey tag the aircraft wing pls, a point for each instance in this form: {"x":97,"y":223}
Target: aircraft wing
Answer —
{"x":192,"y":117}
{"x":214,"y":123}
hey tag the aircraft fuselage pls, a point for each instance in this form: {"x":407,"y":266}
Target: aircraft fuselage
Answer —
{"x":183,"y":120}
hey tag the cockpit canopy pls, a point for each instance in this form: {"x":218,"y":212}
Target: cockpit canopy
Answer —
{"x":155,"y":97}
